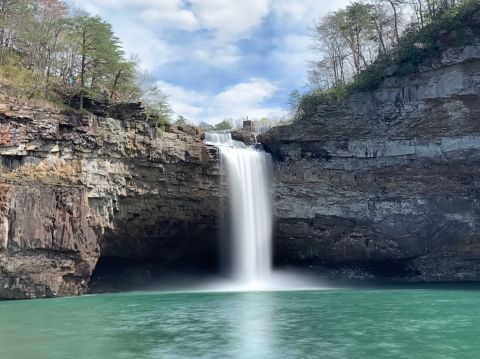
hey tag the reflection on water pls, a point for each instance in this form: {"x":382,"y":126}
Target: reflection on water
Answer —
{"x":336,"y":324}
{"x":253,"y":331}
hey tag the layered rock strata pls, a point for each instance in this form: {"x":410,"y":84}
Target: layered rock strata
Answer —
{"x":387,"y":182}
{"x":74,"y":186}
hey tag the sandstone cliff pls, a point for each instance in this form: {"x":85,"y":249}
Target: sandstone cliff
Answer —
{"x":387,"y":182}
{"x":77,"y":185}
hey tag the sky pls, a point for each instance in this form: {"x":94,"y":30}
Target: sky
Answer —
{"x":219,"y":59}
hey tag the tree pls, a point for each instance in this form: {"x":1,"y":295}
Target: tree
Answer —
{"x":43,"y":47}
{"x":158,"y":108}
{"x":294,"y":99}
{"x":205,"y":126}
{"x":44,"y":35}
{"x":223,"y":126}
{"x":155,"y":100}
{"x":98,"y":50}
{"x":123,"y":81}
{"x":382,"y":24}
{"x":14,"y":14}
{"x":181,"y":121}
{"x":356,"y":28}
{"x":348,"y":40}
{"x":332,"y":44}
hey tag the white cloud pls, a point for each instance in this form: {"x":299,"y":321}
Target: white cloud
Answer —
{"x":291,"y":56}
{"x":184,"y":102}
{"x":203,"y":36}
{"x":230,"y":19}
{"x":151,"y":50}
{"x":240,"y":100}
{"x":254,"y":91}
{"x":182,"y":19}
{"x":304,"y":11}
{"x":215,"y":26}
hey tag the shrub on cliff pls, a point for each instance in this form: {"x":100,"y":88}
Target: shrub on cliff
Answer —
{"x":16,"y":78}
{"x":417,"y":46}
{"x":306,"y":105}
{"x":347,"y":33}
{"x":47,"y":52}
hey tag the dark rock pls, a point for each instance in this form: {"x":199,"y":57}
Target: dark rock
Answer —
{"x":387,"y":177}
{"x":77,"y":186}
{"x":47,"y":245}
{"x":245,"y":136}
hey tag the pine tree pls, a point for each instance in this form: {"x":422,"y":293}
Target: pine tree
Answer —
{"x":99,"y":53}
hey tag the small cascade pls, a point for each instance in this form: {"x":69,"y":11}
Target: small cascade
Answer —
{"x":219,"y":138}
{"x":248,"y":174}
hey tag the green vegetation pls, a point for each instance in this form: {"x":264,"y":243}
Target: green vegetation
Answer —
{"x":181,"y":121}
{"x":224,"y":125}
{"x":49,"y":53}
{"x":366,"y":42}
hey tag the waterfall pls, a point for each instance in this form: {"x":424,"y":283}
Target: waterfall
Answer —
{"x":249,"y":189}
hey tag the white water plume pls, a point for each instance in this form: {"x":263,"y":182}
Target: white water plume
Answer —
{"x":248,"y":173}
{"x":250,"y":257}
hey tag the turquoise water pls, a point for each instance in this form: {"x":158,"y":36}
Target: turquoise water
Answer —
{"x":311,"y":324}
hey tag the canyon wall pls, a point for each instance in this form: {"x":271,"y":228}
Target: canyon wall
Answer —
{"x":77,"y":185}
{"x":386,"y":183}
{"x":383,"y":184}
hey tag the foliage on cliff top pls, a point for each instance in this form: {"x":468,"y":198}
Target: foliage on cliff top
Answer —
{"x":356,"y":29}
{"x":417,"y":46}
{"x":48,"y":52}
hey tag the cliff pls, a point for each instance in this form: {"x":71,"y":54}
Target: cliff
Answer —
{"x":385,"y":183}
{"x":75,"y":186}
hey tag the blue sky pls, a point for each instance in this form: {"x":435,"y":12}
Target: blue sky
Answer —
{"x":219,"y":58}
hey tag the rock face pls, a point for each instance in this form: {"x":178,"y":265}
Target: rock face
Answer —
{"x":48,"y":247}
{"x":387,"y":182}
{"x":74,"y":186}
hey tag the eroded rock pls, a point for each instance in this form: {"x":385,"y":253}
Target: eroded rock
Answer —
{"x":74,"y":186}
{"x":387,"y":177}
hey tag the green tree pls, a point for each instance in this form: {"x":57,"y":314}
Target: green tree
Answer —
{"x":99,"y":53}
{"x":181,"y":121}
{"x":224,"y":125}
{"x":123,"y":81}
{"x":356,"y":28}
{"x":156,"y":102}
{"x":158,"y":108}
{"x":205,"y":126}
{"x":294,"y":99}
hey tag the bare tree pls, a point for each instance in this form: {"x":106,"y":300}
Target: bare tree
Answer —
{"x":13,"y":15}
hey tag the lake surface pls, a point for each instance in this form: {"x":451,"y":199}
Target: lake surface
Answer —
{"x":307,"y":324}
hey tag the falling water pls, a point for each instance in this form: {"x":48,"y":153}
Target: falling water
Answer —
{"x":250,"y":208}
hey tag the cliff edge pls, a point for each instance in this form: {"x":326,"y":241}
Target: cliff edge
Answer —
{"x":385,"y":183}
{"x":75,"y":186}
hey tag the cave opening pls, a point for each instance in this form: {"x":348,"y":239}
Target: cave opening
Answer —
{"x":11,"y":162}
{"x":152,"y":263}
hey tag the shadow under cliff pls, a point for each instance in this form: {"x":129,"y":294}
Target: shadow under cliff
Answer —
{"x":124,"y":274}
